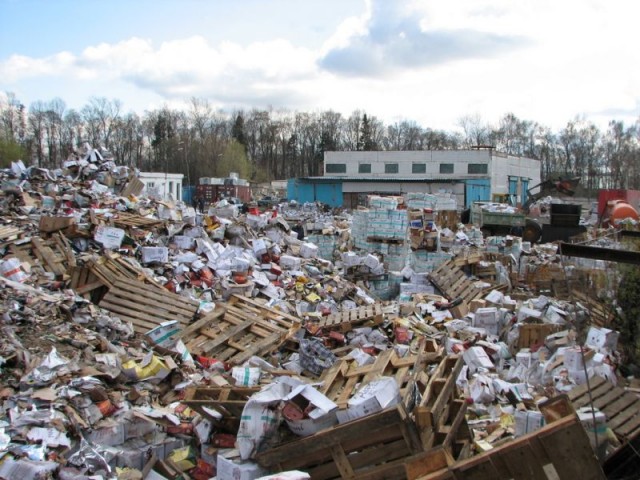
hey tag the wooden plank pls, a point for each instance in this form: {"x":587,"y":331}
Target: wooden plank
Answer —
{"x":204,"y":321}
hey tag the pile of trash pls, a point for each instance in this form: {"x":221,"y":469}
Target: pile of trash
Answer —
{"x":143,"y":339}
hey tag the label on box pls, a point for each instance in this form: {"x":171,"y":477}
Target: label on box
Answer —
{"x":109,"y":237}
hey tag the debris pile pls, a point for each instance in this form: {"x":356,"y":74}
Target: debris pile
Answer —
{"x":144,"y":339}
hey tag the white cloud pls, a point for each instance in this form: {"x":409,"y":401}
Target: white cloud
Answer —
{"x":426,"y":61}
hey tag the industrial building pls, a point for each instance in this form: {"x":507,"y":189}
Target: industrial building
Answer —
{"x":472,"y":175}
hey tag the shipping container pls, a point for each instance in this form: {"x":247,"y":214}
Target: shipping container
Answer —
{"x":213,"y":193}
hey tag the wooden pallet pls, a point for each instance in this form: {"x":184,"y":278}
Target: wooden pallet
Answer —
{"x":373,"y":447}
{"x":54,"y":255}
{"x":453,"y":283}
{"x":347,"y":320}
{"x":227,"y":401}
{"x":242,"y":329}
{"x":130,"y":220}
{"x":112,"y":266}
{"x":147,"y":306}
{"x":560,"y":450}
{"x":599,"y":314}
{"x":433,"y":414}
{"x":9,"y":233}
{"x":340,"y":381}
{"x":622,"y":408}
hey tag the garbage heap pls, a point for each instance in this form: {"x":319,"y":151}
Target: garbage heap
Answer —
{"x":144,"y":340}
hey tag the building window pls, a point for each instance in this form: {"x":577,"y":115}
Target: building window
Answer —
{"x":419,"y":168}
{"x":171,"y":188}
{"x":151,"y":184}
{"x":446,"y":168}
{"x":390,"y":168}
{"x":364,"y":168}
{"x":477,"y":168}
{"x":336,"y":168}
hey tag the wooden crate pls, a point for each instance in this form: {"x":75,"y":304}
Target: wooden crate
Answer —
{"x":560,"y":450}
{"x":242,"y":329}
{"x":599,"y":314}
{"x":372,"y":447}
{"x":434,"y":410}
{"x":345,"y":321}
{"x":535,"y":333}
{"x":227,"y":401}
{"x":54,"y":254}
{"x":147,"y":306}
{"x":621,"y":407}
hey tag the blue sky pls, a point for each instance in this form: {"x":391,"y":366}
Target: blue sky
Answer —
{"x":423,"y":60}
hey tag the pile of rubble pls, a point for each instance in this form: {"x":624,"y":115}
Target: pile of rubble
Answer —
{"x":142,"y":339}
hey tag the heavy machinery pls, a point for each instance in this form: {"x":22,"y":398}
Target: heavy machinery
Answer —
{"x":617,"y":205}
{"x":564,"y":218}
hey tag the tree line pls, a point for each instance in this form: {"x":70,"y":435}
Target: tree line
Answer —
{"x":270,"y":144}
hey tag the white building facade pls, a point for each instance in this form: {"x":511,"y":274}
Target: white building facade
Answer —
{"x":165,"y":186}
{"x":471,"y":175}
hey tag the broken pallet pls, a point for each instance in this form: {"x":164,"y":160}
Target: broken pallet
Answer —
{"x":244,"y":328}
{"x":373,"y":447}
{"x":227,"y":401}
{"x":559,"y":450}
{"x":347,"y":320}
{"x":147,"y":306}
{"x":453,"y":283}
{"x":433,"y":412}
{"x":622,"y":408}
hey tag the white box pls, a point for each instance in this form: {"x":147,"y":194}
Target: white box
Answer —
{"x":603,"y":338}
{"x":109,"y":237}
{"x":374,"y":397}
{"x":230,"y":467}
{"x":350,"y":259}
{"x":161,"y":335}
{"x":527,"y":422}
{"x":154,"y":254}
{"x":525,"y":313}
{"x":259,"y":247}
{"x":573,"y":358}
{"x":287,"y":262}
{"x":308,"y":250}
{"x":184,"y":242}
{"x":476,"y":357}
{"x":321,"y":417}
{"x":371,"y":261}
{"x":487,"y":318}
{"x":524,"y":357}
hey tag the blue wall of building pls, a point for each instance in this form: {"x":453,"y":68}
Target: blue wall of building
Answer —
{"x":477,"y":190}
{"x":326,"y":192}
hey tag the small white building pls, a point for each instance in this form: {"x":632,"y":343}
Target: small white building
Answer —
{"x":165,"y":186}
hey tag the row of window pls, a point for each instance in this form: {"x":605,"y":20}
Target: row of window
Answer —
{"x":473,"y":168}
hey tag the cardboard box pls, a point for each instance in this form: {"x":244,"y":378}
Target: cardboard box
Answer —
{"x":524,"y":357}
{"x":308,"y":250}
{"x":573,"y":358}
{"x":373,"y":397}
{"x":525,"y":313}
{"x":109,"y":237}
{"x":154,"y":254}
{"x":163,"y":333}
{"x":287,"y":262}
{"x":476,"y":357}
{"x":487,"y":318}
{"x":304,"y":400}
{"x":230,"y":467}
{"x":527,"y":422}
{"x":603,"y":338}
{"x":184,"y":242}
{"x":476,"y":304}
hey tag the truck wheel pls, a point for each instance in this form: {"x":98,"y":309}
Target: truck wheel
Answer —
{"x":532,"y":231}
